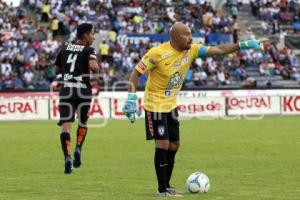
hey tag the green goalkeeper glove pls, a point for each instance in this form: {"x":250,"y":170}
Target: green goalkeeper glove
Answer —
{"x":250,"y":44}
{"x":130,"y":108}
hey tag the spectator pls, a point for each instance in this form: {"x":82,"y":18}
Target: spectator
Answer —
{"x":45,"y":12}
{"x":17,"y":83}
{"x":28,"y":78}
{"x":275,"y":26}
{"x":234,"y":11}
{"x":240,"y":73}
{"x":2,"y":83}
{"x":26,"y":50}
{"x":200,"y":77}
{"x":54,"y":27}
{"x":104,"y":49}
{"x":6,"y":68}
{"x":249,"y":83}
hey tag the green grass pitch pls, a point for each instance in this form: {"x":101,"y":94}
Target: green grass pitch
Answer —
{"x":244,"y":159}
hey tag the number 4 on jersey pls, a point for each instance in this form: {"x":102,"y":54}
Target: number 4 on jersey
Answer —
{"x":72,"y":59}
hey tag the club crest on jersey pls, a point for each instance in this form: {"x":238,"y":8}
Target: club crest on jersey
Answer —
{"x":161,"y":130}
{"x":185,"y":59}
{"x":166,"y":55}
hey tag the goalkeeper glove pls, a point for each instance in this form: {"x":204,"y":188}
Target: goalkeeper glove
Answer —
{"x":130,"y":108}
{"x":254,"y":44}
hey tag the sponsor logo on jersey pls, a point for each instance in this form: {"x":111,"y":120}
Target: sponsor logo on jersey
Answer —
{"x":166,"y":55}
{"x":174,"y":84}
{"x":142,"y":65}
{"x":68,"y":77}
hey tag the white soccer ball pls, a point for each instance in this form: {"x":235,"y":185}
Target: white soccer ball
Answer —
{"x":198,"y":183}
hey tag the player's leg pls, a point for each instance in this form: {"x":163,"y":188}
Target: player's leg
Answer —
{"x":81,"y":133}
{"x":82,"y":110}
{"x":161,"y":164}
{"x":156,"y":128}
{"x":66,"y":110}
{"x":65,"y":140}
{"x":173,"y":130}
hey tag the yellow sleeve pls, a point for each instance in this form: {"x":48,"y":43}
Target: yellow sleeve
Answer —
{"x":148,"y":62}
{"x":199,"y":50}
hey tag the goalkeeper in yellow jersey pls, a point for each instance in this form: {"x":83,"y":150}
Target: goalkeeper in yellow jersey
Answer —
{"x":167,"y":65}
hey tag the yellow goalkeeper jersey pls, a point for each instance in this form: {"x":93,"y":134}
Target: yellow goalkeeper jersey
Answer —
{"x":167,"y":68}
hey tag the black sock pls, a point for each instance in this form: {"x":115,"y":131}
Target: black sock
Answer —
{"x":171,"y":161}
{"x":65,"y":140}
{"x":81,"y":133}
{"x":161,"y":168}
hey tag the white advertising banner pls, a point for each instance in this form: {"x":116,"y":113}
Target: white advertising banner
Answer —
{"x":201,"y":107}
{"x":290,"y":105}
{"x":213,"y":93}
{"x":27,"y":106}
{"x":99,"y":109}
{"x":253,"y":105}
{"x":187,"y":107}
{"x":23,"y":109}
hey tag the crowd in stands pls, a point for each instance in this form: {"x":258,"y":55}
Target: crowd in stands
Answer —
{"x":223,"y":70}
{"x":277,"y":13}
{"x":24,"y":61}
{"x":29,"y":43}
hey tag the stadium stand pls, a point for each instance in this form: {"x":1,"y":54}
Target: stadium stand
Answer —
{"x":32,"y":33}
{"x":263,"y":18}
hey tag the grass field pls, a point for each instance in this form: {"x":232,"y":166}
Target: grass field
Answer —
{"x":245,"y":160}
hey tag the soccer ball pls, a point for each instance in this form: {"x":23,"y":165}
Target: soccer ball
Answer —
{"x":198,"y":183}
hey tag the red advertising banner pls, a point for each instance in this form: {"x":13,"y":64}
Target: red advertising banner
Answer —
{"x":255,"y":105}
{"x":23,"y":109}
{"x":99,"y":109}
{"x":44,"y":105}
{"x":290,"y":105}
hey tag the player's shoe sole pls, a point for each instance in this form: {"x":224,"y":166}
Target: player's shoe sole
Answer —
{"x":167,"y":194}
{"x":77,"y":160}
{"x":173,"y":190}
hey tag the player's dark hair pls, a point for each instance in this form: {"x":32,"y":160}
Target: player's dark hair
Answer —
{"x":83,"y":28}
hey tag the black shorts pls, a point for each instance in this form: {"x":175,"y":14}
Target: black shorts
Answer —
{"x":162,"y":126}
{"x":74,"y":100}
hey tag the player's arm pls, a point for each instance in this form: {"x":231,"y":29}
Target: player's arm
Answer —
{"x":58,"y":79}
{"x":94,"y":66}
{"x":93,"y":63}
{"x":134,"y":81}
{"x":130,"y":108}
{"x":224,"y":49}
{"x":146,"y":63}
